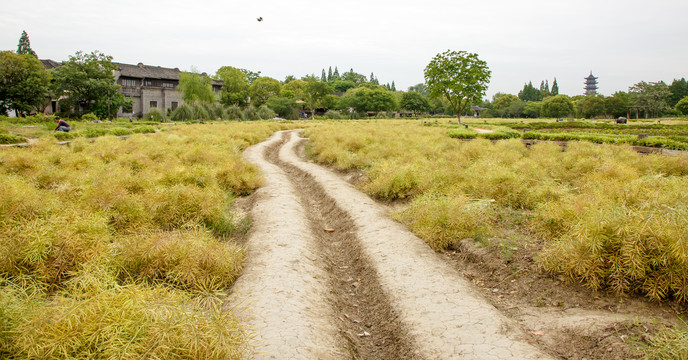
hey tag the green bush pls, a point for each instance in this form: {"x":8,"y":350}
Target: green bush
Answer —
{"x":334,"y":115}
{"x":234,"y":113}
{"x":11,"y":139}
{"x":154,"y":114}
{"x":89,"y":117}
{"x":682,"y":106}
{"x":62,"y":136}
{"x":265,"y":113}
{"x":183,"y":112}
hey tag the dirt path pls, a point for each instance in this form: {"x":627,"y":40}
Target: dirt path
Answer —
{"x":330,"y":276}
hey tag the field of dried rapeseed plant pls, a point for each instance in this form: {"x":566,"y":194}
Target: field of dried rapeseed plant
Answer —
{"x":122,"y":248}
{"x":609,"y":217}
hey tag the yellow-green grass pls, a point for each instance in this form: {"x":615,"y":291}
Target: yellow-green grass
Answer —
{"x":122,"y":248}
{"x":609,"y":217}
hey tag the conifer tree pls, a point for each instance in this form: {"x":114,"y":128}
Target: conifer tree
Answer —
{"x":335,"y":74}
{"x":24,"y":46}
{"x":555,"y":88}
{"x":546,"y":91}
{"x":329,"y":74}
{"x":323,"y":77}
{"x":394,"y":88}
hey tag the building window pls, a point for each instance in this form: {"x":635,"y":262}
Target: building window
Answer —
{"x":153,"y":104}
{"x":128,"y":82}
{"x":147,"y":83}
{"x":174,"y":105}
{"x":167,"y":85}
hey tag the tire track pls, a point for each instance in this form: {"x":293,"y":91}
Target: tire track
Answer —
{"x":444,"y":316}
{"x":330,"y":276}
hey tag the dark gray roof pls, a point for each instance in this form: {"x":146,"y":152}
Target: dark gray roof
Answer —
{"x":50,"y":64}
{"x":147,"y":71}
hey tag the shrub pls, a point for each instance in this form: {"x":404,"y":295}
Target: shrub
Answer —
{"x":334,"y":115}
{"x":265,"y":113}
{"x":441,"y":220}
{"x":11,"y":139}
{"x":183,"y":112}
{"x":682,"y":106}
{"x":190,"y":260}
{"x":89,"y":117}
{"x":234,"y":113}
{"x":154,"y":114}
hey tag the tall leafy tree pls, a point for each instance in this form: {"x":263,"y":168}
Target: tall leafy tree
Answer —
{"x":414,"y":102}
{"x":335,"y":74}
{"x":263,"y":89}
{"x":234,"y":87}
{"x":351,"y":75}
{"x":24,"y":46}
{"x":393,"y":87}
{"x":24,"y":83}
{"x":87,"y":82}
{"x":196,"y":87}
{"x":314,"y":94}
{"x":679,"y":90}
{"x":653,"y":95}
{"x":323,"y":76}
{"x":329,"y":74}
{"x":501,"y":104}
{"x":555,"y":88}
{"x":459,"y":76}
{"x":557,"y":106}
{"x":421,"y":89}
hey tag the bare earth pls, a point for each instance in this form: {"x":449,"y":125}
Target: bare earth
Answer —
{"x":330,"y":276}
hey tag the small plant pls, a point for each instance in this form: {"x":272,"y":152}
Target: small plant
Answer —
{"x":89,"y":117}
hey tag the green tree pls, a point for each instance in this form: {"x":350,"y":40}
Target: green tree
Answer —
{"x":501,"y":103}
{"x":323,"y":76}
{"x":24,"y":46}
{"x":87,"y":83}
{"x":314,"y":94}
{"x":421,"y":89}
{"x":593,"y":106}
{"x":460,"y":77}
{"x":682,"y":106}
{"x":343,"y":85}
{"x":284,"y":107}
{"x":394,"y":87}
{"x":196,"y":87}
{"x":414,"y":102}
{"x":557,"y":106}
{"x":262,"y":89}
{"x":555,"y":88}
{"x":335,"y":74}
{"x":234,"y":87}
{"x":329,"y":74}
{"x":530,"y":93}
{"x":679,"y":90}
{"x":532,"y":109}
{"x":615,"y":106}
{"x":24,"y":83}
{"x":355,"y":77}
{"x":653,"y":95}
{"x":295,"y":89}
{"x":363,"y":99}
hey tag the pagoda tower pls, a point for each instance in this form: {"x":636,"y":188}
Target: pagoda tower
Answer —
{"x":590,"y":84}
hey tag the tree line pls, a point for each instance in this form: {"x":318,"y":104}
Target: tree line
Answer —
{"x":454,"y":81}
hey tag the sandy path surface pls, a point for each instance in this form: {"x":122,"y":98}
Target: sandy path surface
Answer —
{"x":289,"y":303}
{"x":282,"y":284}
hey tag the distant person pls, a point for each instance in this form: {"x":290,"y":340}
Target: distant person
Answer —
{"x":62,"y":125}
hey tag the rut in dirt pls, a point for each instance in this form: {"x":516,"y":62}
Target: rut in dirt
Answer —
{"x":362,"y":312}
{"x":330,"y":276}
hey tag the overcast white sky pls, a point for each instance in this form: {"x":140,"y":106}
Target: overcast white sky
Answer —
{"x":621,"y":42}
